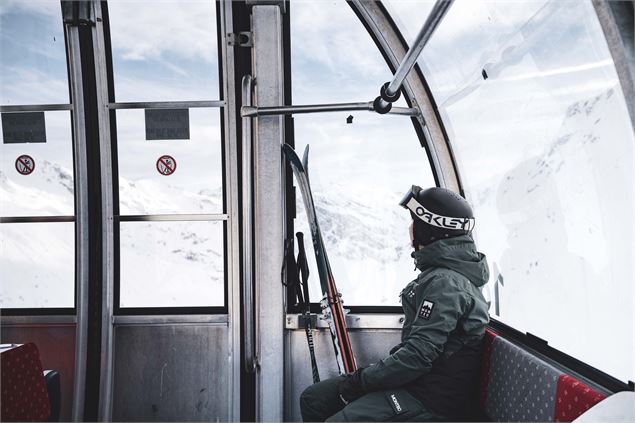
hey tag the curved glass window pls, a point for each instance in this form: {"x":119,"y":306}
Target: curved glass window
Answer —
{"x":360,"y":170}
{"x":533,"y":106}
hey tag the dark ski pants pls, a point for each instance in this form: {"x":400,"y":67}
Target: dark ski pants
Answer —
{"x":321,"y":402}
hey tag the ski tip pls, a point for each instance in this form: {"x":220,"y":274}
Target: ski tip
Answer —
{"x":292,"y":156}
{"x":305,"y":157}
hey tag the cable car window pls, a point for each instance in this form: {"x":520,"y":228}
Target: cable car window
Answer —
{"x":149,"y":186}
{"x":172,"y":264}
{"x":358,"y":170}
{"x":533,"y":106}
{"x":43,"y":183}
{"x":164,"y":52}
{"x":37,"y":233}
{"x":37,"y":265}
{"x":169,"y":157}
{"x":32,"y":53}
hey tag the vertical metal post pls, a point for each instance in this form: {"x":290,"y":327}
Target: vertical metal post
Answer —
{"x":233,"y":225}
{"x":107,"y":212}
{"x":81,"y":219}
{"x":268,"y":70}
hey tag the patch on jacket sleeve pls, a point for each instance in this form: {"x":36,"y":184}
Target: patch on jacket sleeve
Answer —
{"x":426,"y":309}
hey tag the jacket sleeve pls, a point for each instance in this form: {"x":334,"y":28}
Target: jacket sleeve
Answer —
{"x":446,"y":302}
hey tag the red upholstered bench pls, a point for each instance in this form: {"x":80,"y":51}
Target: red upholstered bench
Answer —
{"x":24,"y":395}
{"x":519,"y":386}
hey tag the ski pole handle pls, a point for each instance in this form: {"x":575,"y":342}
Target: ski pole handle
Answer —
{"x":303,"y":265}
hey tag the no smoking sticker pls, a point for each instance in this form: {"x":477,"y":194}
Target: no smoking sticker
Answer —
{"x":25,"y":164}
{"x":166,"y":165}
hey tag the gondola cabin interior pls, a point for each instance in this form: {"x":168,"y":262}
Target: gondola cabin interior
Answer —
{"x":148,"y":215}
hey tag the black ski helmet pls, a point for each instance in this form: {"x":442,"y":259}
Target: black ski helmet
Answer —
{"x":438,"y":213}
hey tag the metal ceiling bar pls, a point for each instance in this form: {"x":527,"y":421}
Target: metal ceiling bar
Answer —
{"x":166,"y":105}
{"x":248,"y":111}
{"x":35,"y":108}
{"x":390,"y":91}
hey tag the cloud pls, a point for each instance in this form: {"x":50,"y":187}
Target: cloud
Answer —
{"x":22,"y":85}
{"x":41,"y":7}
{"x":144,"y":30}
{"x":333,"y":56}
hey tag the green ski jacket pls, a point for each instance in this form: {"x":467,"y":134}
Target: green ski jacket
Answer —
{"x":445,"y":320}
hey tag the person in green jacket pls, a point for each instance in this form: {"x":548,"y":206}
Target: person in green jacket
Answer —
{"x":432,"y":375}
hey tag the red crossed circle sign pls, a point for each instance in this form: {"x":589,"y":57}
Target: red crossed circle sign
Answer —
{"x":25,"y":165}
{"x":166,"y":165}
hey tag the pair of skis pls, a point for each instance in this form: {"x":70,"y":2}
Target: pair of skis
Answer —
{"x":332,"y":310}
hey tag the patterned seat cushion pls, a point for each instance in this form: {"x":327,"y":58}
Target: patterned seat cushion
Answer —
{"x":485,"y":368}
{"x":574,"y":398}
{"x":24,"y":394}
{"x":521,"y":386}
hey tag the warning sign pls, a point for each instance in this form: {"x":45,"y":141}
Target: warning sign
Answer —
{"x":25,"y":165}
{"x":166,"y":165}
{"x":23,"y":127}
{"x":167,"y":124}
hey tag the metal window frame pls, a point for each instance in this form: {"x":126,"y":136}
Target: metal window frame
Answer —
{"x":225,"y":217}
{"x":165,"y":105}
{"x":37,"y":219}
{"x":230,"y":129}
{"x":103,"y":72}
{"x":37,"y":107}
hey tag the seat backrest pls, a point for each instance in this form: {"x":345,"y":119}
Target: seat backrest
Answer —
{"x":519,"y":386}
{"x":24,"y":394}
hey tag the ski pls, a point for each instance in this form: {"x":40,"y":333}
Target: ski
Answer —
{"x":332,"y":310}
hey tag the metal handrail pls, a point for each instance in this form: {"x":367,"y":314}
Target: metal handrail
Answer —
{"x":390,"y":91}
{"x":251,"y":360}
{"x":252,"y":111}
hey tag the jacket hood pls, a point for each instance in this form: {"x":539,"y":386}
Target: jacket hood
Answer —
{"x":458,"y":254}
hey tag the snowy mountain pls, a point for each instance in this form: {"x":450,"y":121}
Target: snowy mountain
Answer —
{"x":47,"y":191}
{"x":367,"y":241}
{"x":364,"y":229}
